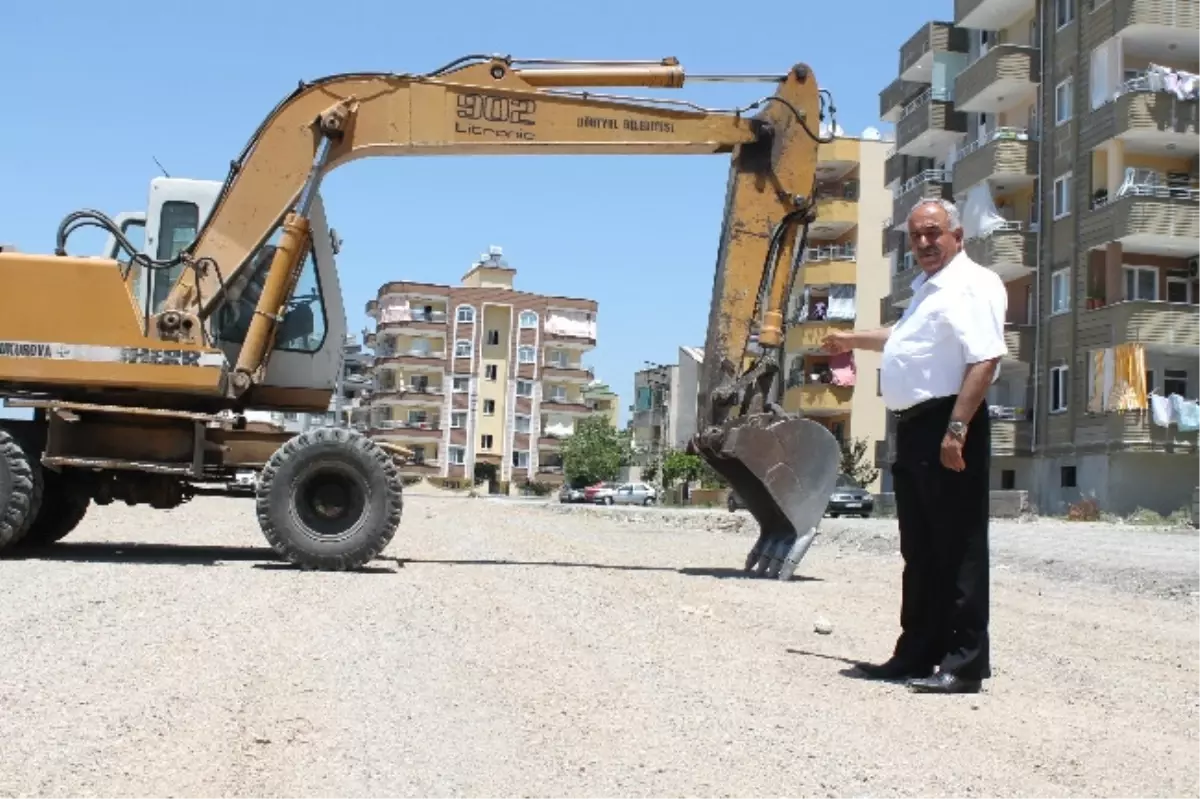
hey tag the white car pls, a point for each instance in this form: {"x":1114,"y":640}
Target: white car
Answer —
{"x":635,"y":494}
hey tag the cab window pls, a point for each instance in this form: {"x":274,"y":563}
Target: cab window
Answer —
{"x":304,"y":325}
{"x":177,"y":228}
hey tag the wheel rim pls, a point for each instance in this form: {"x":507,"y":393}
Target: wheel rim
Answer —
{"x":330,"y":501}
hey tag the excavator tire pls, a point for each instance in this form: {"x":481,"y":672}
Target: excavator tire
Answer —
{"x":20,"y":489}
{"x":64,"y":504}
{"x":330,"y":499}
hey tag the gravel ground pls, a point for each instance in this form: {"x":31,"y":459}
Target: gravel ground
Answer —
{"x":518,"y":648}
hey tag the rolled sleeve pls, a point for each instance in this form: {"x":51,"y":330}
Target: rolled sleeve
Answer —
{"x":978,"y":324}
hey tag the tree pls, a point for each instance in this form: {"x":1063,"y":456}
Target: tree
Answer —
{"x":596,"y":451}
{"x":852,"y":463}
{"x":650,"y":471}
{"x":679,"y":465}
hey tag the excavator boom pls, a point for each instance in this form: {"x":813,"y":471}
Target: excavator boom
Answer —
{"x":783,"y":467}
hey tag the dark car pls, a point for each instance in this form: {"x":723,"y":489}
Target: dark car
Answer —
{"x":848,"y":499}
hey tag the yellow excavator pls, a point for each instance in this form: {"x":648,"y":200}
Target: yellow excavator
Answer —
{"x":142,"y":396}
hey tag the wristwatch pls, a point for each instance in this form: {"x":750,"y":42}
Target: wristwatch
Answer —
{"x":957,"y":429}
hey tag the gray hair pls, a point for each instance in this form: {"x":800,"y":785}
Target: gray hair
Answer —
{"x":952,"y":215}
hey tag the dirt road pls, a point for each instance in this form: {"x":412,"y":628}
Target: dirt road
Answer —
{"x":507,"y":648}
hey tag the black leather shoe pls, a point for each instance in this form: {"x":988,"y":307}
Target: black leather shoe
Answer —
{"x":893,"y":669}
{"x":944,"y":683}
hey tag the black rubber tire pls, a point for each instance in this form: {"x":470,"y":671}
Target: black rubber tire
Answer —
{"x":20,"y":489}
{"x":369,"y":482}
{"x":64,"y":504}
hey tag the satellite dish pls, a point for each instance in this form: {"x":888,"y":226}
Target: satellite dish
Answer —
{"x":871,"y":134}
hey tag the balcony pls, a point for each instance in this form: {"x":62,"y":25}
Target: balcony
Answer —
{"x":820,"y":399}
{"x":560,"y":404}
{"x":1170,"y":328}
{"x":916,"y":55}
{"x":826,"y":266}
{"x":929,"y":126}
{"x":1019,"y":340}
{"x":1130,"y":432}
{"x":1005,"y":155}
{"x":567,"y":373}
{"x":1010,"y":250}
{"x":401,"y":429}
{"x":837,"y":210}
{"x":418,"y":391}
{"x":990,"y":15}
{"x":1145,"y":117}
{"x":934,"y":183}
{"x":1146,"y":215}
{"x":837,"y":158}
{"x":1003,"y":78}
{"x":808,"y":337}
{"x":1148,"y":19}
{"x":1011,"y":437}
{"x":893,"y":99}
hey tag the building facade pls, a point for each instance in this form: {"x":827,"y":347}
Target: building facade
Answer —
{"x":841,"y":282}
{"x":663,"y":413}
{"x":1066,"y":130}
{"x":481,"y":381}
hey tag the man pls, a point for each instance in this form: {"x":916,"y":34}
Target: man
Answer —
{"x":938,"y":362}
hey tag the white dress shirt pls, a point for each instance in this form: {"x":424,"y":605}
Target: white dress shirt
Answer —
{"x":955,"y":318}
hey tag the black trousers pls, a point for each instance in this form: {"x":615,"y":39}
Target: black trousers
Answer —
{"x":943,"y":516}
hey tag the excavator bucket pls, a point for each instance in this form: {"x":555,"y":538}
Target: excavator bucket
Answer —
{"x":783,"y":469}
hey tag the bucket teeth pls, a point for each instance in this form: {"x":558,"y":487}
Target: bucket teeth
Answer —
{"x":783,"y":469}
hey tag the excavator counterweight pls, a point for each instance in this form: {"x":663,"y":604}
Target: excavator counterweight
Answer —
{"x":144,"y":395}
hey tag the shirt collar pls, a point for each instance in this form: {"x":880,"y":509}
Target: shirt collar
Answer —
{"x":940,"y":277}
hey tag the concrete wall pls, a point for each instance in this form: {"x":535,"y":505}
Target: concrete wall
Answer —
{"x":1120,"y":482}
{"x":685,"y":382}
{"x":1001,"y":505}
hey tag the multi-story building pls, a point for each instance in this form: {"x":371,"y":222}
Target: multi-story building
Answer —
{"x":603,"y":401}
{"x":481,"y":381}
{"x":663,"y":413}
{"x":841,"y":282}
{"x":1066,"y":130}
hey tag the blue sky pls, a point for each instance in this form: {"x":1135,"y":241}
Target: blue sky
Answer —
{"x":95,"y":91}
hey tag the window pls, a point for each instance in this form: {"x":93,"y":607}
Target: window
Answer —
{"x":1179,"y":289}
{"x":525,"y":355}
{"x":490,"y":371}
{"x":1064,"y":13}
{"x":521,"y":458}
{"x":1035,"y":206}
{"x":458,"y":419}
{"x":177,"y":225}
{"x":1063,"y":98}
{"x":1149,"y":380}
{"x":558,"y":394}
{"x":418,"y":417}
{"x":1060,"y":291}
{"x":1062,"y":196}
{"x":1008,"y":479}
{"x":462,"y":348}
{"x":489,"y":407}
{"x":461,"y":384}
{"x":1058,"y":389}
{"x":528,"y":319}
{"x":1067,"y":477}
{"x":418,"y":454}
{"x":524,"y":388}
{"x":485,"y":441}
{"x":1141,"y":283}
{"x":1175,"y":381}
{"x":557,"y":359}
{"x":493,"y":338}
{"x":521,"y":423}
{"x":466,"y":314}
{"x":458,"y":455}
{"x":419,"y":346}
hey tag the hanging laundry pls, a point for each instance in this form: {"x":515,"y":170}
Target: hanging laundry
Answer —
{"x":1189,"y":416}
{"x":842,"y":366}
{"x":1101,"y":378}
{"x":1129,"y":378}
{"x":1160,"y":410}
{"x":841,"y":303}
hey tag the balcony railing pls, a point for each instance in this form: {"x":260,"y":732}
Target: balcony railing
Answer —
{"x":401,"y":424}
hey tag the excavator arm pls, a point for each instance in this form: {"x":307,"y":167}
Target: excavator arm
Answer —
{"x":782,"y":467}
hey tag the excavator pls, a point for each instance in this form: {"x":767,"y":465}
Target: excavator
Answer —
{"x":143,"y":396}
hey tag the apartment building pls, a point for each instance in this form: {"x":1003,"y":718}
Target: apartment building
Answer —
{"x":842,"y":280}
{"x":1066,"y":130}
{"x":664,"y":408}
{"x":480,"y":380}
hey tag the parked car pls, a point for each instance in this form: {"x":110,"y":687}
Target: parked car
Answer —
{"x":848,"y":499}
{"x":635,"y":494}
{"x":600,"y":493}
{"x":569,"y":494}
